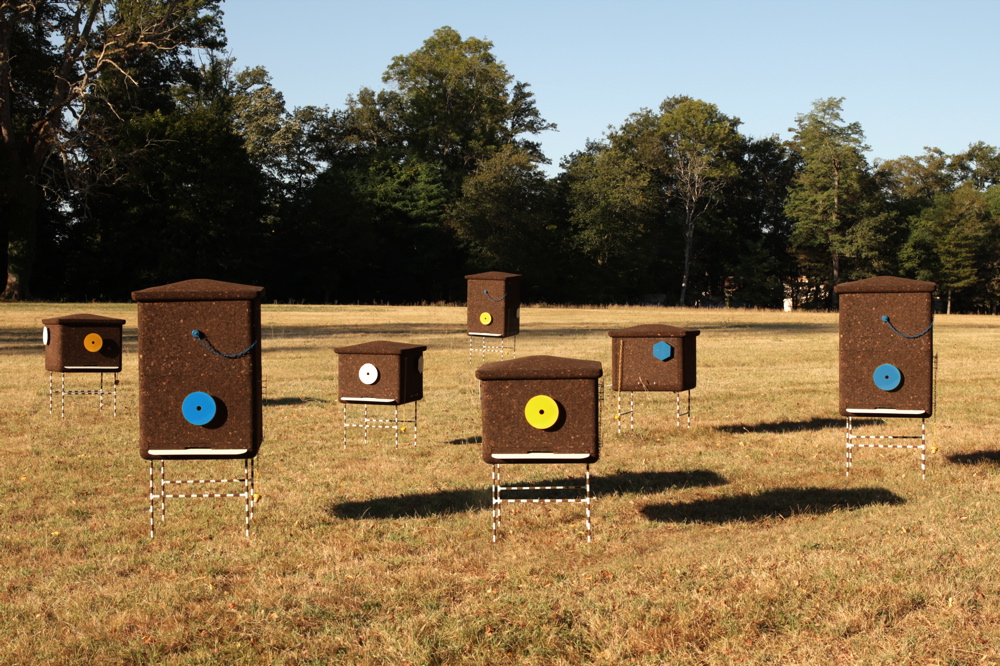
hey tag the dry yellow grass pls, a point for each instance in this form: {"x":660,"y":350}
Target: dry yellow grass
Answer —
{"x":739,"y":540}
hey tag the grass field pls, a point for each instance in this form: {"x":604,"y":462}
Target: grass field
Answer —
{"x":737,"y":541}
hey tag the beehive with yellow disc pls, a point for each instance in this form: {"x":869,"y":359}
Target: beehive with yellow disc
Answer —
{"x":493,"y":304}
{"x":541,"y":409}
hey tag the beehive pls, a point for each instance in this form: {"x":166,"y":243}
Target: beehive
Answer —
{"x":380,"y":372}
{"x":83,"y":343}
{"x":199,"y":370}
{"x":493,"y":304}
{"x":886,"y":347}
{"x":653,"y":357}
{"x":540,"y":409}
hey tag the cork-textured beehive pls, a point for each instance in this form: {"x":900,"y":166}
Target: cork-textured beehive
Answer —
{"x":83,"y":343}
{"x":493,"y":304}
{"x":199,"y":370}
{"x":380,"y":372}
{"x":886,"y":347}
{"x":540,"y":409}
{"x":653,"y":357}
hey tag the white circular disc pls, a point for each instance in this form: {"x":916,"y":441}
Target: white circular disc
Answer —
{"x":45,"y":335}
{"x":420,"y":364}
{"x":368,"y":374}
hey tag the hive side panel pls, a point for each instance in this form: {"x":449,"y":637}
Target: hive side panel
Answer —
{"x":506,"y":430}
{"x":174,"y":364}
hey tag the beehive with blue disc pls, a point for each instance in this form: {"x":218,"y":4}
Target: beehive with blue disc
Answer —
{"x":541,"y":409}
{"x":380,"y":372}
{"x":654,"y":357}
{"x":83,"y":343}
{"x":199,"y":370}
{"x":493,"y":304}
{"x":886,"y":347}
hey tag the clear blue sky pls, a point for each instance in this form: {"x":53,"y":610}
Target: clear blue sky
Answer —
{"x":914,"y":73}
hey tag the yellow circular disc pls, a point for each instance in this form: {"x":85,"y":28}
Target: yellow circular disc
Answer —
{"x":486,"y":319}
{"x":93,"y":342}
{"x":542,"y":412}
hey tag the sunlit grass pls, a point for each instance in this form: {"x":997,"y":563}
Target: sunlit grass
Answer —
{"x":737,"y":540}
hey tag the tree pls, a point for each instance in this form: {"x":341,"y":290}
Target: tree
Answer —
{"x":745,"y":256}
{"x":698,"y":142}
{"x":613,"y":210}
{"x":457,"y":104}
{"x":954,"y":241}
{"x":65,"y":51}
{"x":828,"y":196}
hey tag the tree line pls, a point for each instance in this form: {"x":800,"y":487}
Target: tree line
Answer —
{"x":135,"y":153}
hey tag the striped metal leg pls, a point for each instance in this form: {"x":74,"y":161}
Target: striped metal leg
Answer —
{"x":922,"y":446}
{"x":497,"y":498}
{"x":680,"y":413}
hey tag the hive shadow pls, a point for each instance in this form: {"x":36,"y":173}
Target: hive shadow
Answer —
{"x":448,"y":502}
{"x":776,"y":503}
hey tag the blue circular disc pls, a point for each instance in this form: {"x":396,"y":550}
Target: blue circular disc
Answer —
{"x":198,"y":408}
{"x":887,"y":377}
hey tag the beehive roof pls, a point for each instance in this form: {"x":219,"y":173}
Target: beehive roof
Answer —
{"x":541,"y":367}
{"x":885,"y":284}
{"x":199,"y":290}
{"x":491,"y":275}
{"x":654,"y":331}
{"x":83,"y":320}
{"x":379,"y":347}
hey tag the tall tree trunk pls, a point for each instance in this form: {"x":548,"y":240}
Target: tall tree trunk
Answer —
{"x":22,"y":217}
{"x":949,"y":302}
{"x":688,"y":241}
{"x":834,"y":301}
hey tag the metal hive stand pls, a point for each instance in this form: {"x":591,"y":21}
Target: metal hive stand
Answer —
{"x":498,"y":500}
{"x":248,"y":494}
{"x":851,"y":444}
{"x":500,"y":349}
{"x":100,"y":392}
{"x":631,"y":409}
{"x":395,"y":424}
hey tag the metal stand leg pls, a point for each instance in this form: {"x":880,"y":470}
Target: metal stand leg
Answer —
{"x":249,"y":493}
{"x":62,"y":392}
{"x":630,"y":413}
{"x":50,"y":393}
{"x":397,"y":424}
{"x":852,"y":444}
{"x":497,"y":499}
{"x":680,"y":413}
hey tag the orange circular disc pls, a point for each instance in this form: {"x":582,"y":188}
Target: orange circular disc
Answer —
{"x":93,"y":342}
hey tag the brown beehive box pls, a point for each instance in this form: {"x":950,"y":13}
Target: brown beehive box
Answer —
{"x":380,"y":372}
{"x":493,"y":304}
{"x":83,"y":343}
{"x":540,"y":409}
{"x":184,"y":378}
{"x":653,"y":357}
{"x":886,"y":347}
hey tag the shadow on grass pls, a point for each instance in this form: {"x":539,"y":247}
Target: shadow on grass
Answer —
{"x":975,"y":458}
{"x":780,"y":502}
{"x":476,"y":439}
{"x":778,"y":427}
{"x":447,"y":502}
{"x":278,"y":402}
